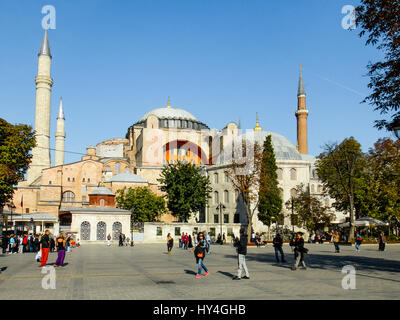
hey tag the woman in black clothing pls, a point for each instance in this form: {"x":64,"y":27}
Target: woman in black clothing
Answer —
{"x":299,"y":251}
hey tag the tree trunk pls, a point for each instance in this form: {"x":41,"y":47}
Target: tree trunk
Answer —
{"x":249,"y":222}
{"x":352,"y":228}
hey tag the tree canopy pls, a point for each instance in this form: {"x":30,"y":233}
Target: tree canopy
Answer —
{"x":16,"y":142}
{"x":144,"y":204}
{"x":309,"y":209}
{"x":340,"y":168}
{"x":379,"y":20}
{"x":186,"y":188}
{"x":270,"y":201}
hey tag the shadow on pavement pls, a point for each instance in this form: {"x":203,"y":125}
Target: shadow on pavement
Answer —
{"x":329,"y":262}
{"x":228,"y":274}
{"x":190,"y":272}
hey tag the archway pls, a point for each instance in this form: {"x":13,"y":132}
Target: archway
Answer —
{"x":184,"y":150}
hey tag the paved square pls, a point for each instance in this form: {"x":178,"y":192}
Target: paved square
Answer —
{"x":146,"y":271}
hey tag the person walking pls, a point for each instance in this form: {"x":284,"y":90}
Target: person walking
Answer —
{"x":68,"y":244}
{"x":357,"y":242}
{"x":20,"y":244}
{"x":109,"y":240}
{"x":120,"y":244}
{"x":181,"y":237}
{"x":200,"y":254}
{"x":4,"y":243}
{"x":170,"y":243}
{"x":190,"y":242}
{"x":336,"y":239}
{"x":194,"y":240}
{"x":36,"y":243}
{"x":45,"y":247}
{"x":241,"y":247}
{"x":208,"y":242}
{"x":278,"y":243}
{"x":61,"y":251}
{"x":299,"y":251}
{"x":382,"y":242}
{"x":52,"y":243}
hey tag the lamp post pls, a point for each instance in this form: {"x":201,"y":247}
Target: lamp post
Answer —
{"x":395,"y":127}
{"x":220,"y":207}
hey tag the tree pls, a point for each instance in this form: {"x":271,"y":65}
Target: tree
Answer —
{"x":244,"y":173}
{"x":186,"y":188}
{"x":340,"y":168}
{"x":270,"y":201}
{"x":380,"y":20}
{"x":16,"y":142}
{"x":310,"y":212}
{"x":144,"y":204}
{"x":384,"y":179}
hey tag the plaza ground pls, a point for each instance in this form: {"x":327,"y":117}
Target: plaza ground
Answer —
{"x":146,"y":271}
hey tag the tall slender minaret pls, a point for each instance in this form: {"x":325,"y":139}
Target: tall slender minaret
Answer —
{"x":44,"y":82}
{"x":301,"y":115}
{"x":60,"y":137}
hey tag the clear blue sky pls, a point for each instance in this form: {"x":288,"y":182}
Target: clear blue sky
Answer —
{"x":113,"y":61}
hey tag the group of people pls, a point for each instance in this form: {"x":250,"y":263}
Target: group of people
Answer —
{"x":41,"y":244}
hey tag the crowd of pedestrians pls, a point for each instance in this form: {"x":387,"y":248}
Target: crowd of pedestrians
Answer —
{"x":41,"y":244}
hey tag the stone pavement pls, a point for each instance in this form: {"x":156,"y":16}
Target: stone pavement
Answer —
{"x":146,"y":271}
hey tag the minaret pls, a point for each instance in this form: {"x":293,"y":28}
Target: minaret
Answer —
{"x":60,"y":137}
{"x":44,"y":82}
{"x":257,"y":127}
{"x":301,"y":115}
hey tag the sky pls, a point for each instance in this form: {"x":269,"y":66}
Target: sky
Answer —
{"x":113,"y":61}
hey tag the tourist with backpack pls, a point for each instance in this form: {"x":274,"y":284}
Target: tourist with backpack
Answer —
{"x":200,"y":253}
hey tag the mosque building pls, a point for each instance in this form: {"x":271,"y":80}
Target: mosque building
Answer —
{"x":80,"y":196}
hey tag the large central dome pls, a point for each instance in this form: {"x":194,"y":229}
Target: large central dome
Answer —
{"x":169,"y":113}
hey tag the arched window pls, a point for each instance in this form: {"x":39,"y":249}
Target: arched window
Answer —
{"x":216,"y":197}
{"x":116,"y":230}
{"x":101,"y":202}
{"x":85,"y":230}
{"x":293,"y":174}
{"x":226,"y":177}
{"x":215,"y":177}
{"x":101,"y":230}
{"x":126,"y":170}
{"x":226,"y":196}
{"x":117,"y":168}
{"x":280,"y":173}
{"x":293,"y":192}
{"x":68,"y":196}
{"x":319,"y":188}
{"x":312,"y":189}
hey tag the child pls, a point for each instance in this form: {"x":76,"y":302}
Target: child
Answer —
{"x":78,"y":244}
{"x":73,"y":243}
{"x":200,"y":254}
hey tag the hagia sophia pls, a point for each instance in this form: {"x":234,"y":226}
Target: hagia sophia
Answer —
{"x":79,"y":197}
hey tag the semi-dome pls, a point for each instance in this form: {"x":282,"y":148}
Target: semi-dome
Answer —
{"x":126,"y":177}
{"x":283,"y":148}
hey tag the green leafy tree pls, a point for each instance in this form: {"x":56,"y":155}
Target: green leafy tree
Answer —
{"x":144,"y":204}
{"x":379,"y":20}
{"x":186,"y":188}
{"x":309,"y":210}
{"x":270,"y":201}
{"x":384,"y":179}
{"x":341,"y":168}
{"x":16,"y":142}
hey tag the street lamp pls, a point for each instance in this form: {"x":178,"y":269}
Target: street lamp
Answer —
{"x":220,"y":207}
{"x":11,"y":206}
{"x":395,"y":127}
